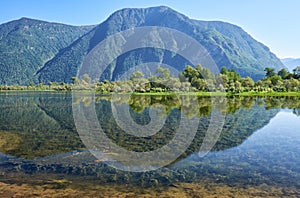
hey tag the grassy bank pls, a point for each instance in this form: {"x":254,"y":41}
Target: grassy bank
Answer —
{"x":266,"y":94}
{"x":223,"y":93}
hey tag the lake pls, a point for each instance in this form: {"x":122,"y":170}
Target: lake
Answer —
{"x":64,"y":144}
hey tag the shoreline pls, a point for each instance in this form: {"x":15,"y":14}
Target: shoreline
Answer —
{"x":162,"y":93}
{"x":62,"y":188}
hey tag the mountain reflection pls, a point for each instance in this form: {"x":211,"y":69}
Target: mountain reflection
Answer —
{"x":38,"y":134}
{"x":36,"y":125}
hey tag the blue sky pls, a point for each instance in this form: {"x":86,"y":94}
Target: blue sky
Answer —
{"x":272,"y":22}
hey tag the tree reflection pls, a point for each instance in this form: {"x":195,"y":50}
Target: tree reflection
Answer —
{"x":42,"y":125}
{"x":44,"y":122}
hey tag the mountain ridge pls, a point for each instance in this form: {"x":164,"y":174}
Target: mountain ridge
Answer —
{"x":228,"y":48}
{"x":228,"y":44}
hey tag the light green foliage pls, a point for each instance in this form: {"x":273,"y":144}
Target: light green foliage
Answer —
{"x":86,"y":78}
{"x":163,"y":73}
{"x":247,"y":83}
{"x":190,"y":80}
{"x":136,"y":76}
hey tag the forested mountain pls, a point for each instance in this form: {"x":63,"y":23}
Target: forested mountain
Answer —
{"x":38,"y":51}
{"x":228,"y":45}
{"x":27,"y":44}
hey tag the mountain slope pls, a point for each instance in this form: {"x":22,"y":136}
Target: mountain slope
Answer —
{"x":291,"y":63}
{"x":27,"y":44}
{"x":228,"y":45}
{"x":247,"y":56}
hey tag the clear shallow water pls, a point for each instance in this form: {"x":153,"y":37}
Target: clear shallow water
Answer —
{"x":259,"y":144}
{"x":270,"y":155}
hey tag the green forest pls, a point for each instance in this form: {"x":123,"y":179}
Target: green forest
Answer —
{"x":192,"y":79}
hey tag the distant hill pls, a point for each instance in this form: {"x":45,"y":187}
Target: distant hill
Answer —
{"x":38,"y":51}
{"x":27,"y":44}
{"x":291,"y":63}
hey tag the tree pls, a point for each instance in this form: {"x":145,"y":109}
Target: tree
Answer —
{"x":86,"y":78}
{"x":269,"y":72}
{"x":189,"y":72}
{"x":203,"y":72}
{"x":163,"y":73}
{"x":247,"y":83}
{"x":259,"y":86}
{"x":275,"y":80}
{"x":40,"y":85}
{"x":238,"y":87}
{"x":181,"y":77}
{"x":222,"y":80}
{"x":75,"y":80}
{"x":52,"y":84}
{"x":292,"y":85}
{"x":232,"y":75}
{"x":199,"y":84}
{"x":297,"y":72}
{"x":223,"y":70}
{"x":136,"y":76}
{"x":284,"y":73}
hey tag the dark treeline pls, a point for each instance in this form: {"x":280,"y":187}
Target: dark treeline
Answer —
{"x":191,"y":79}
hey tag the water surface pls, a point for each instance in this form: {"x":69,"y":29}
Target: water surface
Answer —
{"x":257,"y":152}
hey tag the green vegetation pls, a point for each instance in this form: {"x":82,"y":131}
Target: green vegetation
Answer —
{"x":46,"y":56}
{"x":192,"y":81}
{"x":27,"y":44}
{"x":39,"y":140}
